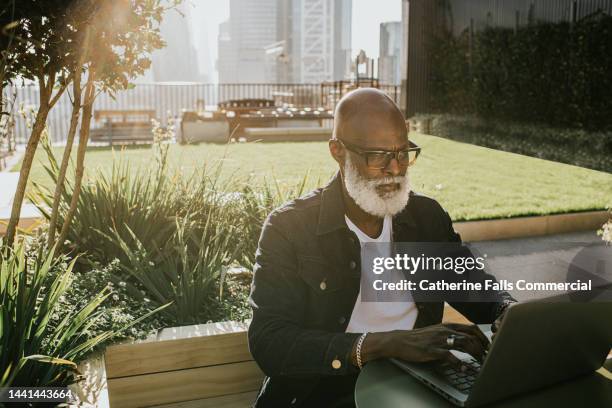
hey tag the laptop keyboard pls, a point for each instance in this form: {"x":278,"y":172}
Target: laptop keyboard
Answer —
{"x":463,"y":380}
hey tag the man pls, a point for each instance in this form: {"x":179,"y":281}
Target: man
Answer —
{"x":310,"y":331}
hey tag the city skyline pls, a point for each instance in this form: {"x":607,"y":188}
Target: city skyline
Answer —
{"x":312,"y":42}
{"x":204,"y":18}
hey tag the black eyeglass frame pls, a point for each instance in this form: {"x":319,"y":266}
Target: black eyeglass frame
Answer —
{"x":389,"y":154}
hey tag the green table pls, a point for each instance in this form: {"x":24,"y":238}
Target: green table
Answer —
{"x":381,"y":384}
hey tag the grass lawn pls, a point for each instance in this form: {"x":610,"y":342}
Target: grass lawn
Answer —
{"x":471,"y":182}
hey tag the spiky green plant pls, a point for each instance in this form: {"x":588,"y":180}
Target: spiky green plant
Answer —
{"x":185,"y":272}
{"x":33,"y":351}
{"x":124,"y":200}
{"x":173,"y":235}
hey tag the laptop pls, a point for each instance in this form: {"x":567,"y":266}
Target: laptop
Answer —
{"x":538,"y":344}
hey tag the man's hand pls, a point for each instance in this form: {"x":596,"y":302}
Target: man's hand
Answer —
{"x":426,"y":344}
{"x":497,"y":323}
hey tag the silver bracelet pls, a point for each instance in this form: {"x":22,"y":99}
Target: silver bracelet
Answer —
{"x":359,"y":344}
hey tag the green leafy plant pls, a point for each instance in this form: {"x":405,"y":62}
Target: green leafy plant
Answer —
{"x":126,"y":201}
{"x":117,"y":310}
{"x":573,"y":146}
{"x":551,"y":74}
{"x":55,"y":44}
{"x":37,"y":349}
{"x":170,"y":236}
{"x":185,"y":272}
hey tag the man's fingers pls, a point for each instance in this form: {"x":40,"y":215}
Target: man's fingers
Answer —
{"x":495,"y":325}
{"x":473,"y":346}
{"x":448,"y":359}
{"x":474,"y":330}
{"x":467,"y":343}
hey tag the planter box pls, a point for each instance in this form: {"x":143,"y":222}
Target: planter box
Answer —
{"x":209,"y":365}
{"x":523,"y":227}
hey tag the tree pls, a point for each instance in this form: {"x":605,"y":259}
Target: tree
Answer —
{"x":79,"y":25}
{"x":125,"y":34}
{"x":35,"y":48}
{"x":104,"y":43}
{"x":7,"y":40}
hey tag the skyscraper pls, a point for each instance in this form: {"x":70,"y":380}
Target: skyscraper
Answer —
{"x":320,"y":39}
{"x":178,"y":60}
{"x":389,"y":61}
{"x":286,"y":41}
{"x":342,"y":39}
{"x":243,"y":38}
{"x":228,"y":56}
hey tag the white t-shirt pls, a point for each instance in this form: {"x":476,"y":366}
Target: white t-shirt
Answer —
{"x":380,"y":316}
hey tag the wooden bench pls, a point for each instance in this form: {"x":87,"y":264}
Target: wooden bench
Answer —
{"x":200,"y":366}
{"x":206,"y":365}
{"x":123,"y":126}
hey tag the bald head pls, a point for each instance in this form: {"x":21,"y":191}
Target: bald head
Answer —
{"x":369,"y":117}
{"x":369,"y":135}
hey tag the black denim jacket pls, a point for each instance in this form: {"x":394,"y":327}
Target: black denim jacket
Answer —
{"x":306,"y":280}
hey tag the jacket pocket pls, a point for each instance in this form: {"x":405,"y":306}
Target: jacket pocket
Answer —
{"x":318,"y":274}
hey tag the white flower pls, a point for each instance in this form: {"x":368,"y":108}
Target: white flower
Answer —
{"x":606,"y":232}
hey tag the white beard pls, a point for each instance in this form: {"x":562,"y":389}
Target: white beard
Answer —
{"x":365,"y":195}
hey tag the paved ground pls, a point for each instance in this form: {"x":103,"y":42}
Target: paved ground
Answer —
{"x":553,"y":258}
{"x":29,"y":212}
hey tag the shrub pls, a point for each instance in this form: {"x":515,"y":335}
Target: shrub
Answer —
{"x":572,"y":146}
{"x":556,"y":74}
{"x":119,"y":309}
{"x":139,"y":206}
{"x":41,"y":341}
{"x":123,"y":201}
{"x":170,"y":237}
{"x":185,"y":269}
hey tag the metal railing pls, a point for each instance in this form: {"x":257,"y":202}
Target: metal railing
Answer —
{"x":170,"y":99}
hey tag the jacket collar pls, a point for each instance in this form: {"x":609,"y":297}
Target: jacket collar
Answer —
{"x":331,"y":212}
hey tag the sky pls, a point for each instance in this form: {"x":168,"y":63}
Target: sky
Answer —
{"x":206,"y":15}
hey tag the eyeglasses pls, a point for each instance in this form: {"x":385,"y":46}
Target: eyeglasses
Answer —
{"x":380,"y":159}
